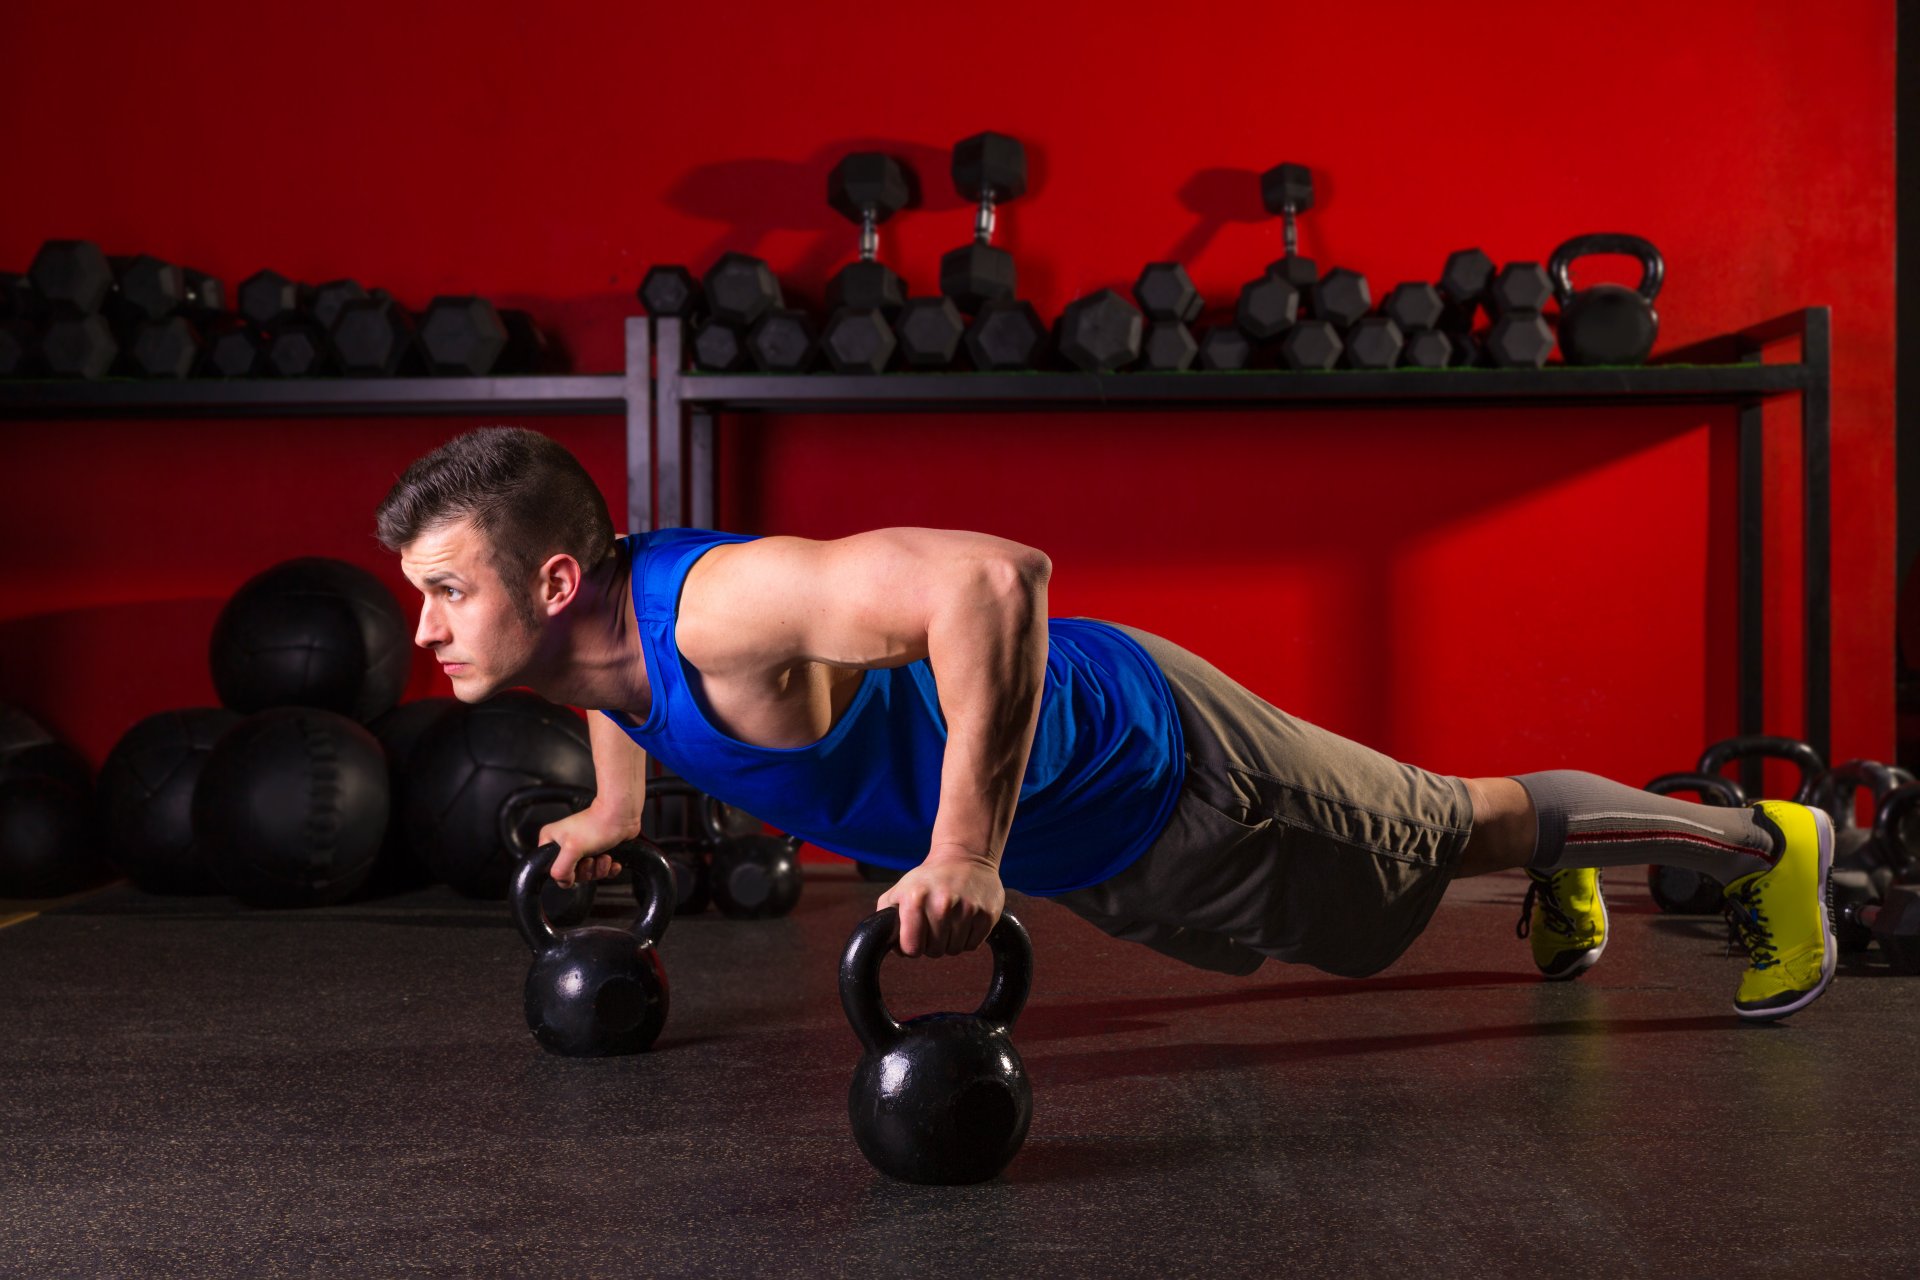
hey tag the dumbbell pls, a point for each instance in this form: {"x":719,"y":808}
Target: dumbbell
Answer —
{"x":1680,"y":890}
{"x":1006,"y":336}
{"x":1166,"y":294}
{"x":234,"y":349}
{"x":1225,"y":347}
{"x":1287,"y":191}
{"x":990,"y":168}
{"x":1417,"y":309}
{"x":744,"y":295}
{"x":865,"y":296}
{"x":1893,"y":923}
{"x":929,"y":332}
{"x":1270,"y":304}
{"x":464,"y":337}
{"x":670,"y":290}
{"x":295,"y":345}
{"x":147,"y":288}
{"x":1464,"y":282}
{"x":1339,"y":300}
{"x":1520,"y":337}
{"x":71,"y":277}
{"x":375,"y":337}
{"x":1101,"y":333}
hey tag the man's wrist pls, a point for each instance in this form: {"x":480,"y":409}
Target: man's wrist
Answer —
{"x":952,"y":852}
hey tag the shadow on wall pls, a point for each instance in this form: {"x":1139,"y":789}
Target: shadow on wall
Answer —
{"x":757,"y":198}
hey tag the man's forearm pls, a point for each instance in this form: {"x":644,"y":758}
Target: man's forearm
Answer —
{"x":619,"y":772}
{"x":988,"y":652}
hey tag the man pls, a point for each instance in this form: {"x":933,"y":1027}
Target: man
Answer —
{"x":903,"y":697}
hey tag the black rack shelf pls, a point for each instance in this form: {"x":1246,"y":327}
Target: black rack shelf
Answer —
{"x":670,"y":413}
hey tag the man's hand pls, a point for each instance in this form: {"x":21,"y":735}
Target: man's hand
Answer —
{"x":584,"y":839}
{"x":948,"y":904}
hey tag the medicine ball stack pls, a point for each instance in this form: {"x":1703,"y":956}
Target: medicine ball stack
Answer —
{"x":1292,"y":316}
{"x":80,"y":313}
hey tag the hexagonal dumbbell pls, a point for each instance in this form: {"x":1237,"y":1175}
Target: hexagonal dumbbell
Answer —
{"x":990,"y":168}
{"x":328,"y":299}
{"x":1287,"y":190}
{"x":1225,"y":347}
{"x":167,"y":348}
{"x":1374,"y":342}
{"x":78,"y":346}
{"x":299,"y":348}
{"x":1427,"y":349}
{"x":1267,"y":308}
{"x":718,"y":347}
{"x":1101,"y":333}
{"x":782,"y":341}
{"x":462,"y":336}
{"x":1520,"y":336}
{"x":19,"y":300}
{"x":1414,"y":305}
{"x":858,"y":341}
{"x":929,"y":331}
{"x":1166,"y":294}
{"x":1006,"y":335}
{"x":1342,"y":297}
{"x":376,"y":338}
{"x":266,"y":297}
{"x":741,"y":288}
{"x":670,"y":290}
{"x":867,"y":188}
{"x":234,"y":349}
{"x":72,"y":277}
{"x":1311,"y":345}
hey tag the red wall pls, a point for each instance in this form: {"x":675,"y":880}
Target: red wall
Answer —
{"x":1478,"y":592}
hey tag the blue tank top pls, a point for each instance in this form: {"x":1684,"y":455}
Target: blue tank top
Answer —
{"x":1107,"y":764}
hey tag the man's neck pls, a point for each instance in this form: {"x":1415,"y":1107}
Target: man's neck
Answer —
{"x":604,"y":666}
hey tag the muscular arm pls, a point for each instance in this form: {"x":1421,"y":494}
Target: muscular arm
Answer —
{"x":619,"y":775}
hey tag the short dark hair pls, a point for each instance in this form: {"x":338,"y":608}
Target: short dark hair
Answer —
{"x":528,"y":495}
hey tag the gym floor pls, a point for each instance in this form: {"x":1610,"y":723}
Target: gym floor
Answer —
{"x":195,"y":1089}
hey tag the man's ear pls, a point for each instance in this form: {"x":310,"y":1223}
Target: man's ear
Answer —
{"x":559,"y":583}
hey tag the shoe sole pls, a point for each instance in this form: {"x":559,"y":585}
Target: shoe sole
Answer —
{"x":1823,"y":825}
{"x":1592,"y":957}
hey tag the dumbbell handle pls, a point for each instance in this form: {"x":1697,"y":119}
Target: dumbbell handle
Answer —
{"x":983,"y":223}
{"x":869,"y":234}
{"x":1289,"y":236}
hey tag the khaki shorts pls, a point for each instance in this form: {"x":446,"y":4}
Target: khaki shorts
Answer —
{"x":1287,"y":841}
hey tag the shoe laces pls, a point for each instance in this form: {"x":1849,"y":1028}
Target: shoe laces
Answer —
{"x":1557,"y":918}
{"x":1748,"y":924}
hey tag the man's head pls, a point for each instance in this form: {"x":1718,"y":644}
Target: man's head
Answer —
{"x":496,"y":528}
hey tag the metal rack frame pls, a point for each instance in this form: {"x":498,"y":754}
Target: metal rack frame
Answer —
{"x":670,"y":414}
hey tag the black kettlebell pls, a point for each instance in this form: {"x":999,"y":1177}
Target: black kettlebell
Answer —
{"x":1890,"y":830}
{"x":1799,"y":754}
{"x":595,"y":991}
{"x":944,"y":1098}
{"x":1608,"y":323}
{"x":1682,"y":890}
{"x":1856,"y":847}
{"x":752,"y":876}
{"x":565,"y":907}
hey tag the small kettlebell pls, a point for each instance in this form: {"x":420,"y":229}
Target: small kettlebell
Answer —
{"x":1608,"y":323}
{"x":1855,"y":846}
{"x":1799,"y":754}
{"x":752,"y":876}
{"x":943,"y":1099}
{"x":595,"y":991}
{"x":565,"y":907}
{"x":1682,"y":890}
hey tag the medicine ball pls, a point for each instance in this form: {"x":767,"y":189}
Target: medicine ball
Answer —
{"x":291,"y":807}
{"x":145,"y":799}
{"x":311,"y":632}
{"x":26,"y":747}
{"x":463,"y":769}
{"x":399,"y":732}
{"x":47,"y":843}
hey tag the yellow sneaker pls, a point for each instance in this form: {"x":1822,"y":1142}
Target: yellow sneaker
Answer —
{"x":1566,"y":919}
{"x":1782,"y":914}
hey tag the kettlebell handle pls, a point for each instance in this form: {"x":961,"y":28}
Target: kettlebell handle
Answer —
{"x":1653,"y":267}
{"x":652,"y":887}
{"x":875,"y":936}
{"x":525,"y":798}
{"x":1887,"y":816}
{"x":1845,"y":780}
{"x":1794,"y":752}
{"x":1725,"y":792}
{"x":710,"y":807}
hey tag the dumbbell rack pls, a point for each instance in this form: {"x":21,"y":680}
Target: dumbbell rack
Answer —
{"x":1725,"y":370}
{"x":670,"y":414}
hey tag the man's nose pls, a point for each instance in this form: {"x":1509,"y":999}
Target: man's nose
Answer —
{"x":430,"y":631}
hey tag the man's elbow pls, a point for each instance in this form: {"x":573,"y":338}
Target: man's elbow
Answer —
{"x":1018,"y":574}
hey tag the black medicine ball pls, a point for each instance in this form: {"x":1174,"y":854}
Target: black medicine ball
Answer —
{"x":145,"y":798}
{"x":311,"y":632}
{"x":399,"y":732}
{"x":466,"y":765}
{"x":291,"y":807}
{"x":46,"y":838}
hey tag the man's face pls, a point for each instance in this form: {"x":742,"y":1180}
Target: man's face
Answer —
{"x":469,"y":619}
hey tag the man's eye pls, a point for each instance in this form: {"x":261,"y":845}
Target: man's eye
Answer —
{"x":451,"y":592}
